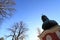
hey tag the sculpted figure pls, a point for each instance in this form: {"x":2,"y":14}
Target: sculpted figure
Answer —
{"x":51,"y":29}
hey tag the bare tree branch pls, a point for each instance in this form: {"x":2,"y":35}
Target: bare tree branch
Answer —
{"x":6,"y":8}
{"x":18,"y":31}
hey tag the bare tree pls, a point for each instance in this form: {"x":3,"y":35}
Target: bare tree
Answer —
{"x":6,"y":8}
{"x":18,"y":31}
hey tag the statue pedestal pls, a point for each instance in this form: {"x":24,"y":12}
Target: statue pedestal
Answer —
{"x":51,"y":34}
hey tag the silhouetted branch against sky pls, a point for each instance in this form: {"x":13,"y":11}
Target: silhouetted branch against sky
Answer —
{"x":6,"y":8}
{"x":18,"y":31}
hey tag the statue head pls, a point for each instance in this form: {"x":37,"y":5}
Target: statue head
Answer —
{"x":47,"y":24}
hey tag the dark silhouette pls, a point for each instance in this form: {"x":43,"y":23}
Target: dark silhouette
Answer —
{"x":47,"y":24}
{"x":51,"y":29}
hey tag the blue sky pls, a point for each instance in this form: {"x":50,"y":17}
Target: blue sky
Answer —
{"x":30,"y":12}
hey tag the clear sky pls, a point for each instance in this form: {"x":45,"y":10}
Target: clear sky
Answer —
{"x":30,"y":11}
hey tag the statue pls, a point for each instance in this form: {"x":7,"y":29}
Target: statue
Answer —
{"x":51,"y":29}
